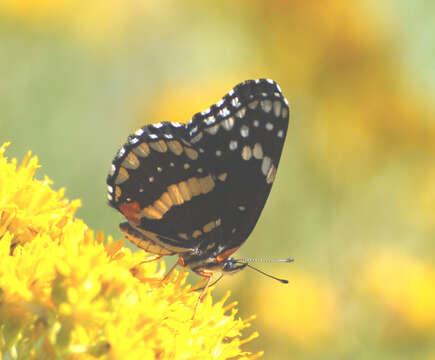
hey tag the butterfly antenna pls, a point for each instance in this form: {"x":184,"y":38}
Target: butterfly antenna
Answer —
{"x":290,"y":259}
{"x":284,"y":281}
{"x":248,"y":260}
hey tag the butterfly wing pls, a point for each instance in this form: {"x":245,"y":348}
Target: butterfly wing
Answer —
{"x":243,"y":136}
{"x":202,"y":184}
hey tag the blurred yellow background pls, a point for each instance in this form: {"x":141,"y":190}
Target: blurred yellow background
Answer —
{"x":354,"y":199}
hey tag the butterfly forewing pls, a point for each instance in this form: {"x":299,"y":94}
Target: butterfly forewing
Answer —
{"x":203,"y":184}
{"x":242,"y":137}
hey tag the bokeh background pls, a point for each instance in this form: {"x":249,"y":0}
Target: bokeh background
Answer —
{"x":354,"y":199}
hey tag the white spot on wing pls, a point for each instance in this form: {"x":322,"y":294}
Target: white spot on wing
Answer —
{"x":269,"y":126}
{"x":112,"y":170}
{"x":213,"y":129}
{"x":193,"y":130}
{"x":266,"y":105}
{"x":277,"y":108}
{"x":284,"y":112}
{"x":236,"y":102}
{"x":121,"y":152}
{"x":233,"y":145}
{"x":210,"y":120}
{"x":246,"y":153}
{"x":224,"y":112}
{"x":241,"y":113}
{"x":222,"y":177}
{"x":258,"y":151}
{"x":244,"y":131}
{"x":265,"y":165}
{"x":220,"y":102}
{"x":228,"y":123}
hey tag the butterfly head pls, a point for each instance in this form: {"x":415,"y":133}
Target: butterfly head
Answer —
{"x":231,"y":266}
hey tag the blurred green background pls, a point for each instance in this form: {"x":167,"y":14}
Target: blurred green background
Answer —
{"x":354,"y":199}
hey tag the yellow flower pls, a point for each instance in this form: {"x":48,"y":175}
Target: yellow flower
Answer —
{"x":404,"y":285}
{"x":65,"y":293}
{"x":29,"y":207}
{"x":307,"y":309}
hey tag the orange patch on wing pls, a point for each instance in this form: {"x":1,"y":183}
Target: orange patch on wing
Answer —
{"x":226,"y":254}
{"x":131,"y":211}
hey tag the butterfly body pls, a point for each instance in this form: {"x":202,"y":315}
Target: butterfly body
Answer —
{"x":196,"y":190}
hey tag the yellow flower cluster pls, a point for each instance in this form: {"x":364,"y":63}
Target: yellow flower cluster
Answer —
{"x":65,"y":293}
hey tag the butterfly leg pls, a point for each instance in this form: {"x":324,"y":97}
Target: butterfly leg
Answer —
{"x":135,"y":269}
{"x":150,"y":259}
{"x":168,"y":274}
{"x":208,"y":275}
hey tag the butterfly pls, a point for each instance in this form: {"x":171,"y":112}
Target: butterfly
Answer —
{"x":196,"y":190}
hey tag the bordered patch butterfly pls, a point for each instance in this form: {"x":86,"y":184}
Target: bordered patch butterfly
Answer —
{"x":196,"y":190}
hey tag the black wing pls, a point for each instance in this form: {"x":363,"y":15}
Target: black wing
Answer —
{"x":203,"y":184}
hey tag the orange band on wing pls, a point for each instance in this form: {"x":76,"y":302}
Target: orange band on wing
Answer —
{"x":226,"y":254}
{"x":131,"y":211}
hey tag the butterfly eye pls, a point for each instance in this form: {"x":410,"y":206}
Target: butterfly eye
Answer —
{"x":232,"y":266}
